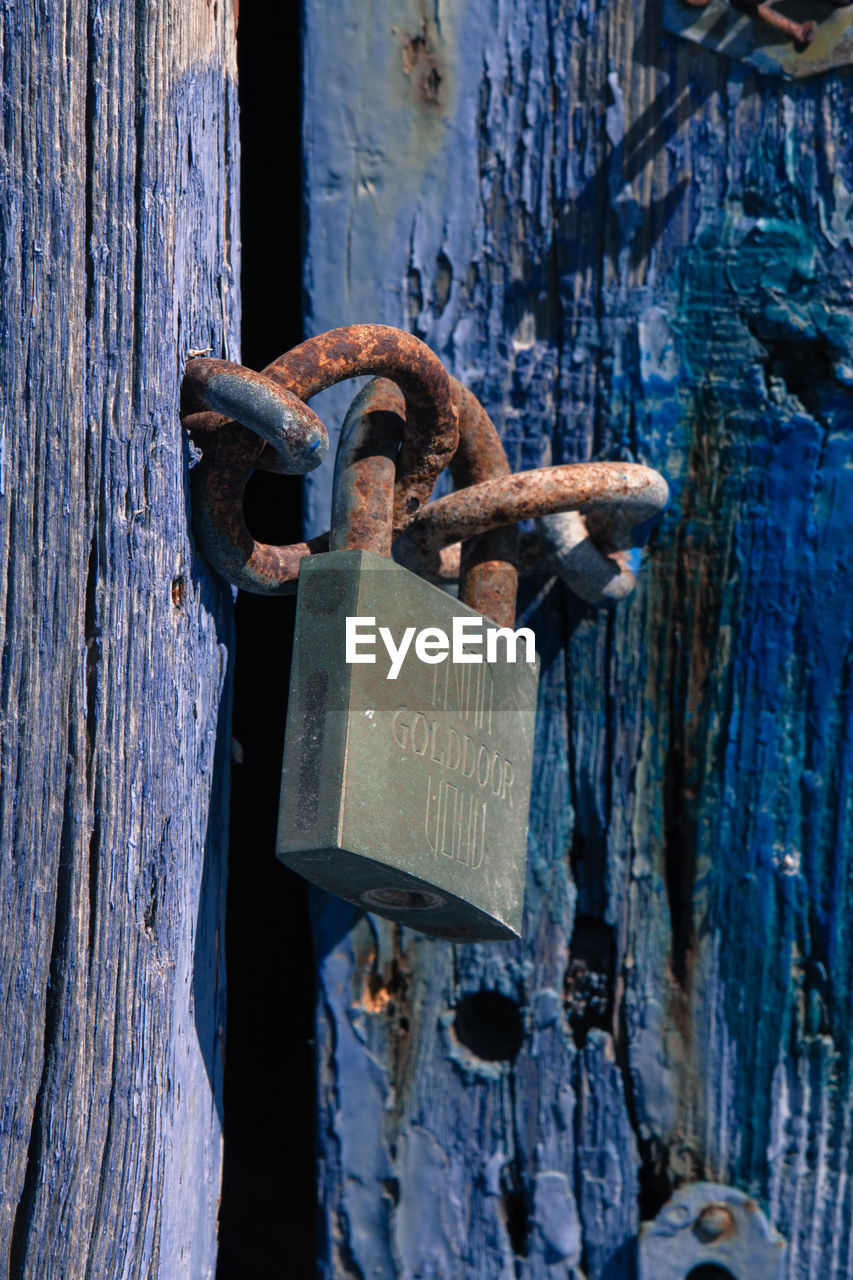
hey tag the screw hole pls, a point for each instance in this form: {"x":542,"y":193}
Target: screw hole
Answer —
{"x":489,"y":1025}
{"x":709,"y":1271}
{"x":179,"y":591}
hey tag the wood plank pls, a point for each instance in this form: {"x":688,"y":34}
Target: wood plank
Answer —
{"x":120,"y":254}
{"x":628,"y":248}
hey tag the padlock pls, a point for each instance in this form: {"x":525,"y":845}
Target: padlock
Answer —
{"x":405,"y":791}
{"x":425,"y":821}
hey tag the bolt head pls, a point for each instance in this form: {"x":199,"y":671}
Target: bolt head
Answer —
{"x":714,"y":1222}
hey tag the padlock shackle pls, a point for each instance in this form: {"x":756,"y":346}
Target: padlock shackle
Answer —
{"x":231,"y":451}
{"x":364,"y":480}
{"x":365,"y":470}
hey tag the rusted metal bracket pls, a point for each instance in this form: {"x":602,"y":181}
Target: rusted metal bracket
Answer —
{"x":710,"y":1232}
{"x":791,"y":38}
{"x":420,"y":420}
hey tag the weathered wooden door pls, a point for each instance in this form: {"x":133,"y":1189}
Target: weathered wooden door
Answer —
{"x":120,"y":253}
{"x":628,"y":248}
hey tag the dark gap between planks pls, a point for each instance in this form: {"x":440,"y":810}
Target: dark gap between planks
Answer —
{"x":269,"y":1201}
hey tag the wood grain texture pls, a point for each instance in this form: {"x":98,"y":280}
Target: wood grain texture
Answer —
{"x":628,"y":248}
{"x":118,"y":237}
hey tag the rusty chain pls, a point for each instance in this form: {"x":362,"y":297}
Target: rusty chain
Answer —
{"x":231,"y":449}
{"x":402,"y":430}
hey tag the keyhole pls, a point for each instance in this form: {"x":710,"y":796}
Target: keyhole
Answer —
{"x":709,"y":1271}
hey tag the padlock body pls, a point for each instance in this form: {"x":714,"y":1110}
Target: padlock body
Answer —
{"x":406,"y":796}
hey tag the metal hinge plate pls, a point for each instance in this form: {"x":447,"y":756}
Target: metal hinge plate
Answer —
{"x":710,"y":1232}
{"x":722,"y":28}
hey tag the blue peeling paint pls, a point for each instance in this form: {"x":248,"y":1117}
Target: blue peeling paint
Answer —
{"x":640,"y":256}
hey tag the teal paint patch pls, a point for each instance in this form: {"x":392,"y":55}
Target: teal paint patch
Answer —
{"x":589,"y":330}
{"x":761,"y":547}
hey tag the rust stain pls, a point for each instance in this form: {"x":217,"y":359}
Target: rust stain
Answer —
{"x":385,"y":994}
{"x":421,"y":65}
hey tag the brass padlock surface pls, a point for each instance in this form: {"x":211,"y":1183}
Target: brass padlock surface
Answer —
{"x":409,"y":797}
